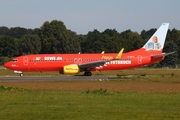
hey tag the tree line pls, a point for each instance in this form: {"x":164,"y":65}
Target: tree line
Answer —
{"x":54,"y":37}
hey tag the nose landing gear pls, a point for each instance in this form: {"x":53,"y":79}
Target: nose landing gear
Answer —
{"x":21,"y":74}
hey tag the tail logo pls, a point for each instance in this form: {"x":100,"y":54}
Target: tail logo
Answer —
{"x":154,"y":44}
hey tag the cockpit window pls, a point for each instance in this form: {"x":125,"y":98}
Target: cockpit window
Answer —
{"x":14,"y":60}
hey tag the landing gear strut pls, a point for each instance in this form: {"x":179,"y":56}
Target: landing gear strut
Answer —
{"x":87,"y":73}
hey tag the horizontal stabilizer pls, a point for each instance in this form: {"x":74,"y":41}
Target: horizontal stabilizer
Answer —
{"x":162,"y":55}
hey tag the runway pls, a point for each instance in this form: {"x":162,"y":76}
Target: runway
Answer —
{"x":54,"y":78}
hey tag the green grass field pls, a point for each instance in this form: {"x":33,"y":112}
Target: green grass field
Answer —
{"x":152,"y":94}
{"x":88,"y":105}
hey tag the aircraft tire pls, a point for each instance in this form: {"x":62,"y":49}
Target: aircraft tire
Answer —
{"x":87,"y":73}
{"x":21,"y":75}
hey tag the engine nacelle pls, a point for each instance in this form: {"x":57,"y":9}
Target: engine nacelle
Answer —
{"x":70,"y":69}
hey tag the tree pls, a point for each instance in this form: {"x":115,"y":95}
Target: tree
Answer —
{"x":55,"y":38}
{"x":133,"y":40}
{"x":4,"y":60}
{"x":95,"y":42}
{"x":174,"y":36}
{"x":170,"y":60}
{"x":147,"y":34}
{"x":4,"y":30}
{"x":8,"y":46}
{"x":69,"y":42}
{"x":29,"y":44}
{"x":17,"y":32}
{"x":114,"y":41}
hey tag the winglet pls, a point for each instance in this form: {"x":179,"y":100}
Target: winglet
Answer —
{"x":102,"y":52}
{"x":119,"y":54}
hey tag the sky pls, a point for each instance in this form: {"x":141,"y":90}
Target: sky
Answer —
{"x":82,"y":16}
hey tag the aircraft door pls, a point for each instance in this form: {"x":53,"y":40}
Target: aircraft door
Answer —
{"x":25,"y":61}
{"x":139,"y":59}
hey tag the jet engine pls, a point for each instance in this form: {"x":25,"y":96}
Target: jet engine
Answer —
{"x":70,"y":69}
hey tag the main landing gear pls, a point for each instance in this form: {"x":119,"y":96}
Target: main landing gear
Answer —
{"x":87,"y":73}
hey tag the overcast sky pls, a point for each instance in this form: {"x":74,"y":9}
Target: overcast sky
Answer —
{"x":82,"y":16}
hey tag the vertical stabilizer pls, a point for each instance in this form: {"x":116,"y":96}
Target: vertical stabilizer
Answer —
{"x":157,"y":40}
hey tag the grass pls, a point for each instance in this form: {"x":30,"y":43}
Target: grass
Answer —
{"x":78,"y":105}
{"x":136,"y":94}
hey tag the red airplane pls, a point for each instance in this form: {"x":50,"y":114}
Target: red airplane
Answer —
{"x":150,"y":53}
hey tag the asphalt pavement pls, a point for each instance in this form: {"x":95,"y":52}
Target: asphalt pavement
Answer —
{"x":54,"y":78}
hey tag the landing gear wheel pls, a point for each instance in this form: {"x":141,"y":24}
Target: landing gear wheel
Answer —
{"x":21,"y":75}
{"x":87,"y":73}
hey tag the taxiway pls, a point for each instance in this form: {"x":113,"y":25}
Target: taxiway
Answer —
{"x":54,"y":78}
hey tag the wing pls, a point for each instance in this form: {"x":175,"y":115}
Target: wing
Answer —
{"x":101,"y":62}
{"x":93,"y":64}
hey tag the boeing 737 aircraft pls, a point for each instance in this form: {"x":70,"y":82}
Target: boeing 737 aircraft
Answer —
{"x":150,"y":53}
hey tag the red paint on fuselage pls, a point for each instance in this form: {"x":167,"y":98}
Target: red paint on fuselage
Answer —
{"x":56,"y":62}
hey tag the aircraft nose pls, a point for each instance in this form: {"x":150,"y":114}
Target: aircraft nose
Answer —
{"x":7,"y":65}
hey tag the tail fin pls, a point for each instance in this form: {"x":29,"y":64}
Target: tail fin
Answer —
{"x":157,"y":40}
